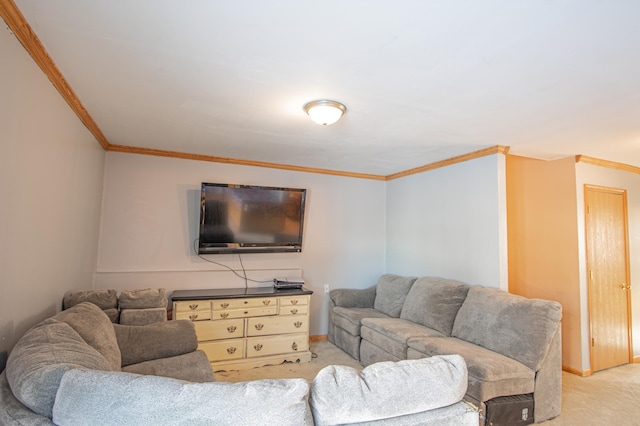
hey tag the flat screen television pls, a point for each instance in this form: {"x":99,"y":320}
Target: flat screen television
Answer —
{"x":250,"y":219}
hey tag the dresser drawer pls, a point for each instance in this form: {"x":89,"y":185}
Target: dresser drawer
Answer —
{"x":194,"y":310}
{"x":273,"y":345}
{"x":277,"y":325}
{"x":294,"y":310}
{"x":193,"y":315}
{"x":244,"y":313}
{"x":293,"y":300}
{"x":223,"y":349}
{"x":224,"y":304}
{"x":216,"y":330}
{"x":192,"y":305}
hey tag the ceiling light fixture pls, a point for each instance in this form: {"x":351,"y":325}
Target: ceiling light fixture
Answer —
{"x":325,"y":112}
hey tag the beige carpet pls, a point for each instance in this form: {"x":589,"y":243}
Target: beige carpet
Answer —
{"x":610,"y":397}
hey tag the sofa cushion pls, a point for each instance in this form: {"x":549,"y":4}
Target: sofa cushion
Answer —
{"x":341,"y":394}
{"x":434,"y":302}
{"x":391,"y":334}
{"x":153,"y":341}
{"x":490,"y":374}
{"x":192,"y":367}
{"x":350,"y":319}
{"x":40,"y":358}
{"x":95,"y":328}
{"x":89,"y":397}
{"x":13,"y":412}
{"x":143,"y":298}
{"x":103,"y":299}
{"x":511,"y":325}
{"x":143,"y":316}
{"x":391,"y":292}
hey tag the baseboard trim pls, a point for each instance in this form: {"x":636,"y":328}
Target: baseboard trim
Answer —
{"x":636,"y":360}
{"x":582,"y":373}
{"x":319,"y":338}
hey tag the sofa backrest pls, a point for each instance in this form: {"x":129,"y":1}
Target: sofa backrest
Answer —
{"x":434,"y":302}
{"x":95,"y":328}
{"x":40,"y":358}
{"x":511,"y":325}
{"x":391,"y":292}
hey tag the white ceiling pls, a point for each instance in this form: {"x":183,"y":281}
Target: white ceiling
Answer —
{"x":422,"y":80}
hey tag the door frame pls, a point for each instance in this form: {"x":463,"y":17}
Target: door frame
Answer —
{"x":623,"y":192}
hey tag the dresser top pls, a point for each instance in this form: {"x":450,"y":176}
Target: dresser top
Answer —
{"x":231,"y":293}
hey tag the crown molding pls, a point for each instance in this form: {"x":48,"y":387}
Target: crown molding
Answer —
{"x":497,"y":149}
{"x":30,"y":41}
{"x":214,"y":159}
{"x":607,"y":163}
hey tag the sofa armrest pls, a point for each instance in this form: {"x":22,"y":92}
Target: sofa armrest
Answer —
{"x":139,"y":343}
{"x":353,"y":298}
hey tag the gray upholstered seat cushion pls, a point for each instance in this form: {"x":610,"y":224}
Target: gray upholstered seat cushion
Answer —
{"x":434,"y":302}
{"x":391,"y":292}
{"x":391,"y":334}
{"x":490,"y":374}
{"x":95,"y":328}
{"x":153,"y":341}
{"x":341,"y":394}
{"x":89,"y":397}
{"x":40,"y":358}
{"x":494,"y":319}
{"x":143,"y":298}
{"x":192,"y":367}
{"x":350,"y":319}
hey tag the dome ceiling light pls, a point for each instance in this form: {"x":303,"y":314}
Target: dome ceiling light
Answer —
{"x":325,"y":112}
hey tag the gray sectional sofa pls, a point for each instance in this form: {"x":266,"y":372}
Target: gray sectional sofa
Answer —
{"x":511,"y":344}
{"x":77,"y":368}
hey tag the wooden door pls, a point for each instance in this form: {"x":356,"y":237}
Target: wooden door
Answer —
{"x":608,"y":276}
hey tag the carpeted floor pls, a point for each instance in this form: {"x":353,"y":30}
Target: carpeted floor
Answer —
{"x":607,"y":397}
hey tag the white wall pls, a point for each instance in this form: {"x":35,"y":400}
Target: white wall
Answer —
{"x":450,"y":222}
{"x":51,"y":191}
{"x":150,"y":221}
{"x":612,"y":178}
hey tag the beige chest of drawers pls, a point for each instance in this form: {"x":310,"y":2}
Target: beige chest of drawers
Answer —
{"x":245,"y":328}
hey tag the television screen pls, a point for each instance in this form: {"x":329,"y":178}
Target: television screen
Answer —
{"x":250,"y":219}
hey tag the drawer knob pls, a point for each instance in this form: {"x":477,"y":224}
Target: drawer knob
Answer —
{"x":193,"y":306}
{"x":246,"y":301}
{"x":224,"y":305}
{"x":298,"y":324}
{"x":257,"y":347}
{"x":294,"y":302}
{"x":294,"y":311}
{"x":231,"y":350}
{"x":266,"y":302}
{"x":231,"y":328}
{"x":259,"y":326}
{"x":224,"y":314}
{"x":193,"y":317}
{"x":294,"y":346}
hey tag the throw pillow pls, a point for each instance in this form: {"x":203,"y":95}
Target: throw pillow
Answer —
{"x":384,"y":390}
{"x":89,"y":397}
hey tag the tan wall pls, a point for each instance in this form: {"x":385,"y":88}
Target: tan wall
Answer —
{"x":543,"y":241}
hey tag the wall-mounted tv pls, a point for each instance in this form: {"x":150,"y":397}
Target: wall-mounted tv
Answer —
{"x":250,"y":219}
